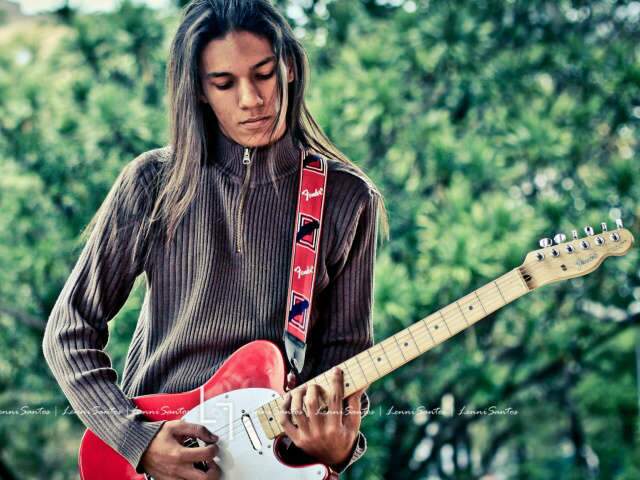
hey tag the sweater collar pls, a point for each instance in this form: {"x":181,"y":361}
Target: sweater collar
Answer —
{"x":228,"y":156}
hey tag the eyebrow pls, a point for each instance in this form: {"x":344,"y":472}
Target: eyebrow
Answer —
{"x":228,"y":74}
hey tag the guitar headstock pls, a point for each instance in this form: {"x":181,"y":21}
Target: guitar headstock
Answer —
{"x":558,"y":259}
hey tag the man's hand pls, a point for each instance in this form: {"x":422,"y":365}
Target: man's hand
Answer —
{"x":167,"y":459}
{"x":315,"y":421}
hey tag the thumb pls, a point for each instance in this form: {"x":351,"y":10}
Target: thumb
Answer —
{"x":188,"y":429}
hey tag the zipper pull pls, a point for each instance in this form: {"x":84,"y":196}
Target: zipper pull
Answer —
{"x":246,"y":159}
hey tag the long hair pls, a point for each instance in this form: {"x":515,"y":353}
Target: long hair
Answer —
{"x":193,"y":123}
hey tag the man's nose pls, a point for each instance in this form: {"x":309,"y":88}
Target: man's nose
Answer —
{"x":250,"y":96}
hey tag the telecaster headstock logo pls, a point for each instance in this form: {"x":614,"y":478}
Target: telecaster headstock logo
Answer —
{"x":584,"y":261}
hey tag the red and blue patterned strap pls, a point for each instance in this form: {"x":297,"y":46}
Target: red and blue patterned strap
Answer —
{"x":304,"y":256}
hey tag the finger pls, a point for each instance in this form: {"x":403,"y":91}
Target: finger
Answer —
{"x":353,"y":416}
{"x":191,"y":473}
{"x":297,"y":412}
{"x":286,"y":421}
{"x":187,"y":429}
{"x":312,"y":403}
{"x":358,"y":394}
{"x":336,"y":395}
{"x":199,"y":454}
{"x":214,"y":472}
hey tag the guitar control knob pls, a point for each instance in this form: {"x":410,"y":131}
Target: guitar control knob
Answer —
{"x":555,"y":252}
{"x":559,"y":238}
{"x":614,"y":236}
{"x":619,"y":223}
{"x":574,"y":234}
{"x":540,"y":256}
{"x":545,"y":242}
{"x":584,"y":244}
{"x":569,"y":248}
{"x":603,"y":227}
{"x":599,"y":241}
{"x":588,"y":230}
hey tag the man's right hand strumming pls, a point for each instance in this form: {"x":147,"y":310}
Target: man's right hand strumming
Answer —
{"x":169,"y":456}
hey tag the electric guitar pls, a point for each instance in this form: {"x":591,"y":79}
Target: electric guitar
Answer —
{"x":240,"y":402}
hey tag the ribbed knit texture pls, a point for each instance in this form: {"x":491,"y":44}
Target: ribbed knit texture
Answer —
{"x":204,"y":298}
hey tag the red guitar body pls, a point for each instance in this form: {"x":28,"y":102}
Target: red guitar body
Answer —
{"x":259,"y":364}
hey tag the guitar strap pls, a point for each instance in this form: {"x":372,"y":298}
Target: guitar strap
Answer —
{"x":304,"y":257}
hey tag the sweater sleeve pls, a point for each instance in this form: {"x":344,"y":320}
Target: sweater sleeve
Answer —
{"x":77,"y":332}
{"x":345,"y":320}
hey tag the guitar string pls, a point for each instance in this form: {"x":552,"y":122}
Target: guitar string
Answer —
{"x":405,"y":334}
{"x":370,"y":366}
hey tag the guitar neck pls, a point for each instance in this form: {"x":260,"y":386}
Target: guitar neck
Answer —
{"x":399,"y":349}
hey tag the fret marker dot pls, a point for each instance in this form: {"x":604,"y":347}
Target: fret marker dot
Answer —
{"x":379,"y":359}
{"x":347,"y":384}
{"x":406,"y":344}
{"x":470,"y":307}
{"x":271,"y":419}
{"x":436,"y":327}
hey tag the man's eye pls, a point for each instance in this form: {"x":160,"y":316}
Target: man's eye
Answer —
{"x":266,"y":75}
{"x":228,"y":85}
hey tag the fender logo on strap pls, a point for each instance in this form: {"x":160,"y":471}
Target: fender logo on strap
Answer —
{"x":306,"y":242}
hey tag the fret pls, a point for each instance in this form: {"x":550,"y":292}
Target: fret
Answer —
{"x":491,"y":298}
{"x":347,"y":370}
{"x":436,"y":328}
{"x":374,"y":363}
{"x":382,"y":364}
{"x":364,"y":375}
{"x":511,"y":286}
{"x":381,"y":358}
{"x":407,"y":344}
{"x":428,"y":328}
{"x":472,"y":308}
{"x":420,"y":332}
{"x":462,"y":312}
{"x":413,"y":337}
{"x":273,"y":418}
{"x":500,"y":292}
{"x":445,"y":321}
{"x":400,"y":349}
{"x":264,"y":421}
{"x":390,"y":350}
{"x":475,"y":292}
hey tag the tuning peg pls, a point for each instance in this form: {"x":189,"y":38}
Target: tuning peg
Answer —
{"x":603,"y":226}
{"x":559,"y":238}
{"x":588,"y":230}
{"x":619,"y":223}
{"x":545,"y":242}
{"x":574,"y":234}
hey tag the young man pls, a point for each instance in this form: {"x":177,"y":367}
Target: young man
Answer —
{"x":209,"y":221}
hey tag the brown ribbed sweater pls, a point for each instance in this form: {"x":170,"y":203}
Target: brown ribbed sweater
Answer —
{"x":221,"y":283}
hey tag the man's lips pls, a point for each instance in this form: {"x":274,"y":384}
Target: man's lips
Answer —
{"x":255,"y":120}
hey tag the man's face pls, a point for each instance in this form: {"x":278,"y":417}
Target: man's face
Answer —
{"x":239,"y":80}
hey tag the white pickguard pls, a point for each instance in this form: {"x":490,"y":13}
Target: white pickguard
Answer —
{"x":237,"y":457}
